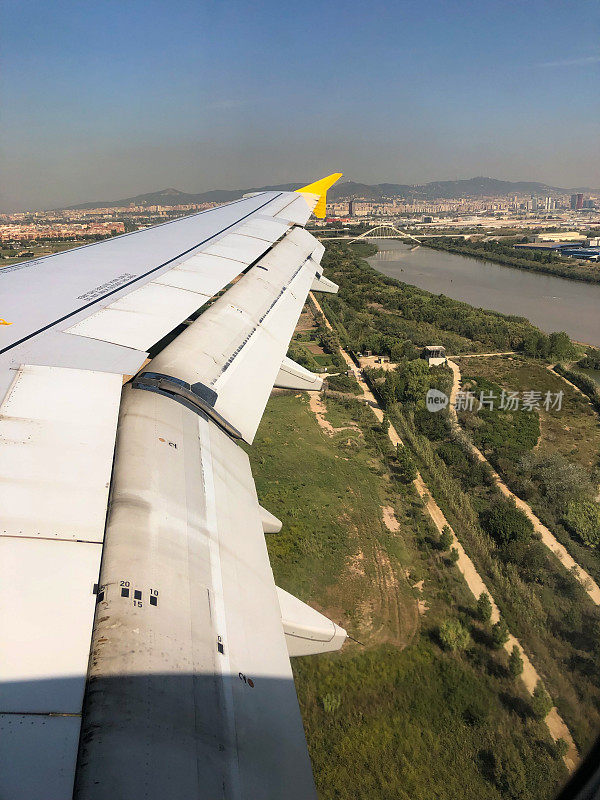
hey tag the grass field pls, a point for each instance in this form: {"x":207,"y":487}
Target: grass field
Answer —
{"x":574,"y":430}
{"x":400,"y":717}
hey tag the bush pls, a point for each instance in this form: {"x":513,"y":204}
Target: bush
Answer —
{"x":583,"y":517}
{"x":342,"y":383}
{"x":506,"y":523}
{"x":453,"y":555}
{"x":499,"y":634}
{"x":515,"y":663}
{"x":484,"y":607}
{"x":541,"y":702}
{"x":446,"y":538}
{"x":331,"y":702}
{"x":453,"y":635}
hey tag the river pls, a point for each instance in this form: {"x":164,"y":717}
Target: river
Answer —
{"x":553,"y":304}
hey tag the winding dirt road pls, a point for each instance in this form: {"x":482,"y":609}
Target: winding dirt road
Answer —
{"x":556,"y":725}
{"x":548,"y":538}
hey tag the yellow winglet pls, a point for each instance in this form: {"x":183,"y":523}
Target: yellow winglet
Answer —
{"x":320,"y":188}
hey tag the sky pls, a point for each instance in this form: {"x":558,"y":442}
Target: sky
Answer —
{"x":105,"y":100}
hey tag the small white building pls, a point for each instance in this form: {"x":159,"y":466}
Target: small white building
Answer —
{"x":435,"y":355}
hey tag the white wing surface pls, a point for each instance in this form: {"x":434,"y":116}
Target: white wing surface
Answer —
{"x":188,"y":689}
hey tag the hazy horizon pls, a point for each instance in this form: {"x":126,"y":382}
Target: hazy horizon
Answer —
{"x":125,"y":99}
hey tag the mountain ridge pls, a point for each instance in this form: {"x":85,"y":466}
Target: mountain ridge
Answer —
{"x":455,"y":189}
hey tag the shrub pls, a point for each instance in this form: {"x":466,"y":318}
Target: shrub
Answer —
{"x":453,"y":635}
{"x":561,"y":748}
{"x":506,"y":523}
{"x":331,"y":702}
{"x":583,"y":517}
{"x":453,"y":555}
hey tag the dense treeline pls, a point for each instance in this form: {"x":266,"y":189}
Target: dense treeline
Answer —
{"x":583,"y":382}
{"x":502,"y":253}
{"x":374,"y":312}
{"x":591,"y":360}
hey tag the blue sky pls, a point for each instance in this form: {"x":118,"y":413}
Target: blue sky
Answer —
{"x":102,"y":100}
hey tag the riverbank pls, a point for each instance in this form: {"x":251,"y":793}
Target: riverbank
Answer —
{"x":551,"y":303}
{"x":504,"y":254}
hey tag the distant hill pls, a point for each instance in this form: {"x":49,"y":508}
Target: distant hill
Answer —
{"x":471,"y":187}
{"x":174,"y":197}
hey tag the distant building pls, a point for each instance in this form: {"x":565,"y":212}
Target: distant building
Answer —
{"x":560,"y":236}
{"x":577,"y":201}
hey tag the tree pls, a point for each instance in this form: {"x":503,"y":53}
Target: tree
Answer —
{"x":506,"y":523}
{"x":536,"y":344}
{"x":446,"y":538}
{"x":583,"y":517}
{"x":541,"y":702}
{"x":407,"y":471}
{"x":561,"y":346}
{"x":561,"y":748}
{"x":515,"y":662}
{"x":453,"y":635}
{"x":415,"y":379}
{"x":591,"y":360}
{"x":499,"y":634}
{"x":453,"y":555}
{"x":484,"y":607}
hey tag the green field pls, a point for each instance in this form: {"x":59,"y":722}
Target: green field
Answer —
{"x":400,"y":717}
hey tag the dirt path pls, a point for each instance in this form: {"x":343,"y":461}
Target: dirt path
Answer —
{"x":548,"y":538}
{"x":556,"y":725}
{"x":319,"y":409}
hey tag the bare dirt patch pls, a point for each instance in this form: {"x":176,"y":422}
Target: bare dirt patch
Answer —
{"x":319,"y":409}
{"x":389,"y":519}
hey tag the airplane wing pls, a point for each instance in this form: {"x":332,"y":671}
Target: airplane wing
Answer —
{"x":144,"y":647}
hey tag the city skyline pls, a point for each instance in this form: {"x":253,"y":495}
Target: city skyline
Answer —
{"x":122,"y":100}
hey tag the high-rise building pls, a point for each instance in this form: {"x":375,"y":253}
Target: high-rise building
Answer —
{"x":579,"y":201}
{"x":573,"y":202}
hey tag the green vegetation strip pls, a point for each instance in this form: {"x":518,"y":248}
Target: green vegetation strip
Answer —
{"x":434,"y":716}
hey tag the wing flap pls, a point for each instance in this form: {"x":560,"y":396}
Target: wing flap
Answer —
{"x":141,"y":318}
{"x":37,"y":755}
{"x":145,"y":315}
{"x":57,"y":429}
